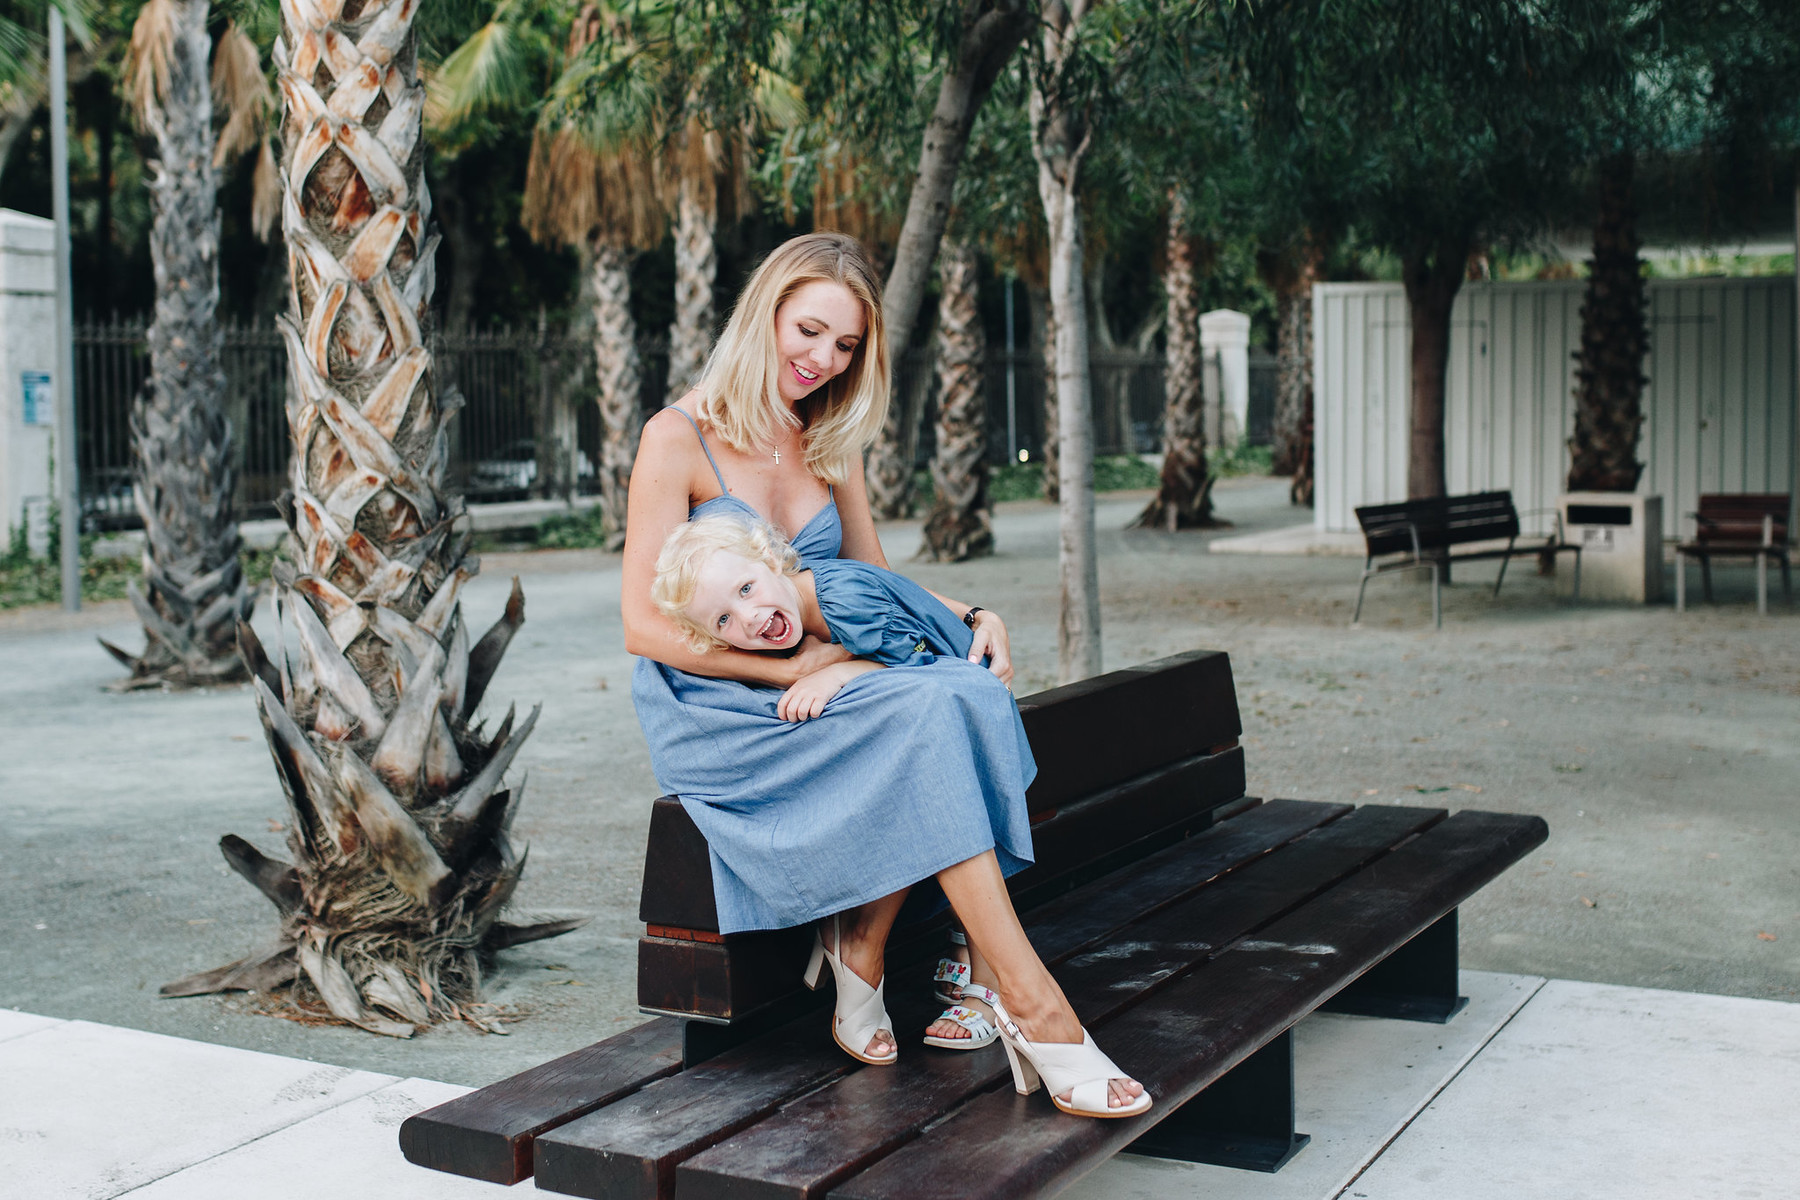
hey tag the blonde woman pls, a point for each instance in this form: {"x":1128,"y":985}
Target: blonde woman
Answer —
{"x":892,"y":782}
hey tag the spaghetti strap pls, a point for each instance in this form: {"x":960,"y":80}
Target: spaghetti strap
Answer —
{"x":723,"y":490}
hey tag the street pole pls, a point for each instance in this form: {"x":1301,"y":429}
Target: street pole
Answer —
{"x":68,"y":488}
{"x":1012,"y":401}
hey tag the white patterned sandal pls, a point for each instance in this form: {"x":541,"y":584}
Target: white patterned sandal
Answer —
{"x":981,"y":1030}
{"x":859,"y":1013}
{"x":1079,"y":1069}
{"x":952,"y":972}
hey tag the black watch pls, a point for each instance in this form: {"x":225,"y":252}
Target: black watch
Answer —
{"x":969,"y":617}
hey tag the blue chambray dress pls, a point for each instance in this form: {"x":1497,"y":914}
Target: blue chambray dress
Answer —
{"x":907,"y":771}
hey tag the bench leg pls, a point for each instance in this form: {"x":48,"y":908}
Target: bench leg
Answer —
{"x":1762,"y":585}
{"x":701,"y":1040}
{"x":1244,"y":1119}
{"x":1362,"y":587}
{"x":1680,"y":582}
{"x":1437,"y":604}
{"x":1417,"y":982}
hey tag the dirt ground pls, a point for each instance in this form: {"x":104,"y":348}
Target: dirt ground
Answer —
{"x":1660,"y":747}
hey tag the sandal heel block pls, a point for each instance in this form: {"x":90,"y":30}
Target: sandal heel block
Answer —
{"x":1078,"y":1068}
{"x":816,"y":964}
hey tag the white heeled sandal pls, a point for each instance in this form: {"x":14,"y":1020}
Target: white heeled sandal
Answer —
{"x":1079,"y":1069}
{"x":981,"y":1031}
{"x":860,"y":1012}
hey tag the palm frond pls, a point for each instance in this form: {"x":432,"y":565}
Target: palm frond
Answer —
{"x":494,"y":71}
{"x":147,"y":58}
{"x":265,"y":194}
{"x":241,"y":91}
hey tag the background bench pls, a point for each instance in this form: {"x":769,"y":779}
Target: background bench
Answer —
{"x":1743,"y":525}
{"x":1417,"y":535}
{"x":1190,"y":930}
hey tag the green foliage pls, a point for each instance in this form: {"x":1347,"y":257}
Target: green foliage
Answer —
{"x":1241,"y":459}
{"x":25,"y":580}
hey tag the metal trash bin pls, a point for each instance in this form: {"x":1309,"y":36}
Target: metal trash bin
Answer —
{"x":1621,"y":540}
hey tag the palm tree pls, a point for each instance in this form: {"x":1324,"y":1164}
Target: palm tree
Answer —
{"x":1615,"y":336}
{"x":1184,"y":497}
{"x":961,"y":523}
{"x":184,"y":478}
{"x":402,"y":860}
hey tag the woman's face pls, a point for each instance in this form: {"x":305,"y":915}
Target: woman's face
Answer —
{"x":746,"y":603}
{"x":817,"y":331}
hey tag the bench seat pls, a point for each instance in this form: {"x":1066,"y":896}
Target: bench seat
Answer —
{"x":1190,"y":951}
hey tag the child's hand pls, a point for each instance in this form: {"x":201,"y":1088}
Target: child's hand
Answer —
{"x":806,"y":699}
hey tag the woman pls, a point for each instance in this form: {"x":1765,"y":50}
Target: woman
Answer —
{"x":906,"y":774}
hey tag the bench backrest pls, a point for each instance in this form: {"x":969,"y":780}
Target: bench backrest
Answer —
{"x":1738,"y":517}
{"x":1441,"y":521}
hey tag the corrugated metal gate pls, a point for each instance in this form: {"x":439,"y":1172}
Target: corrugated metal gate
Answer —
{"x":1719,"y":409}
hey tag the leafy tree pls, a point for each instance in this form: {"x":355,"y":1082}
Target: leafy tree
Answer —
{"x":1444,"y":126}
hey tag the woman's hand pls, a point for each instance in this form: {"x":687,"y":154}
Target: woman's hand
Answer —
{"x":806,"y":699}
{"x":992,"y":643}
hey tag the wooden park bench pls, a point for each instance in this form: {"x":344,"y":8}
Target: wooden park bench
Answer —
{"x":1190,"y":926}
{"x":1745,"y":525}
{"x":1417,"y":535}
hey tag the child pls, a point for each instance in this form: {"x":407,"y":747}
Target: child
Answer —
{"x":726,"y":581}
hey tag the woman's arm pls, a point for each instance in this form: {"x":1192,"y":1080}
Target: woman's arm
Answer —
{"x":669,"y":459}
{"x":861,"y":542}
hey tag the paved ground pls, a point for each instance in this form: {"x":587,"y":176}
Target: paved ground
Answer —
{"x":1536,"y":1089}
{"x":1661,"y":749}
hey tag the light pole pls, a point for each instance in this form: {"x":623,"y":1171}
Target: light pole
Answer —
{"x":68,"y":488}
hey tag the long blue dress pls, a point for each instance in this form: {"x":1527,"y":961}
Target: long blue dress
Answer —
{"x":907,"y":771}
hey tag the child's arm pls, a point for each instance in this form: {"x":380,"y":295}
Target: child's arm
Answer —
{"x":806,"y":698}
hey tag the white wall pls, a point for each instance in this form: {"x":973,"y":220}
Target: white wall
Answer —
{"x":27,"y":344}
{"x":1719,"y":409}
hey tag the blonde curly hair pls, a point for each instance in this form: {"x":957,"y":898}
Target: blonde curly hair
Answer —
{"x":690,"y":546}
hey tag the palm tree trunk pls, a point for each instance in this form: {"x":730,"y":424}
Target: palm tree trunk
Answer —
{"x":184,"y":477}
{"x":619,"y":379}
{"x":1293,"y":361}
{"x":1433,"y":274}
{"x":399,"y":823}
{"x":1609,"y":373}
{"x":696,"y":267}
{"x":1060,"y":142}
{"x":961,"y":523}
{"x":1184,"y":496}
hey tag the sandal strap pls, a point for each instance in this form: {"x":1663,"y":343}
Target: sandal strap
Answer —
{"x":951,"y":971}
{"x":969,"y":1019}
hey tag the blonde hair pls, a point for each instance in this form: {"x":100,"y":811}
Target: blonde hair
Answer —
{"x":690,"y":546}
{"x":738,"y":388}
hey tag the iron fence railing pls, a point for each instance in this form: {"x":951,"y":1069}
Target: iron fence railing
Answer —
{"x":526,"y":427}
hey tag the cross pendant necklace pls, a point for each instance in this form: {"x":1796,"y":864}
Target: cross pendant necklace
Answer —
{"x":777,"y":455}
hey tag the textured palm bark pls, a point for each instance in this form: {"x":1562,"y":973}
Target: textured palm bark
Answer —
{"x":888,"y":468}
{"x":1183,"y":497}
{"x":619,"y":377}
{"x":1060,"y":141}
{"x":961,"y":523}
{"x":696,"y":267}
{"x":1615,"y":336}
{"x":1294,"y":362}
{"x":184,"y":476}
{"x":398,"y":829}
{"x":1050,"y":456}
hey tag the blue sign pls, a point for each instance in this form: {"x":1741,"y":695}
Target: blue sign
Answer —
{"x":40,"y":398}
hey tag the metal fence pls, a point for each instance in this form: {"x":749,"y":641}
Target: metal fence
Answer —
{"x":527,"y":427}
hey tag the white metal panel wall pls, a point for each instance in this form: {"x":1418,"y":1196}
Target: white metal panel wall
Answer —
{"x":1719,"y":409}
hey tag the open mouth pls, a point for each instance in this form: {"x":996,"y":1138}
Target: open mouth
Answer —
{"x":807,"y":378}
{"x":775,"y":629}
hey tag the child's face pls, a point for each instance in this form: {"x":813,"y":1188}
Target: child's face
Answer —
{"x":746,"y":603}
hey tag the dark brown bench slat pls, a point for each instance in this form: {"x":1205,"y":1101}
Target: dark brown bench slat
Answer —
{"x":631,"y":1148}
{"x":1003,"y":1145}
{"x":487,"y":1134}
{"x":1102,"y":731}
{"x":867,"y":1117}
